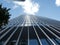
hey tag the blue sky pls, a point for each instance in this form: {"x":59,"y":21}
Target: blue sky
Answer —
{"x":48,"y":8}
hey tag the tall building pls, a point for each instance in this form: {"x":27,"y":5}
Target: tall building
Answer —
{"x":31,"y":30}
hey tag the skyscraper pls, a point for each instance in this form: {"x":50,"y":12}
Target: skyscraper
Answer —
{"x":31,"y":30}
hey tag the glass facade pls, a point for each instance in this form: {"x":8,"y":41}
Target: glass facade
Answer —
{"x":30,"y":30}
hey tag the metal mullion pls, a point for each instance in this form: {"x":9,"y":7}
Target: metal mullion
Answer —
{"x":6,"y":28}
{"x":51,"y":27}
{"x":11,"y":34}
{"x":54,"y":29}
{"x":45,"y":34}
{"x":20,"y":34}
{"x":6,"y":32}
{"x":51,"y":32}
{"x":28,"y":35}
{"x":37,"y":34}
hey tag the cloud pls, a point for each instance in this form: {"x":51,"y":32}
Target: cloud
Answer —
{"x":14,"y":7}
{"x":8,"y":1}
{"x":57,"y":2}
{"x":29,"y":6}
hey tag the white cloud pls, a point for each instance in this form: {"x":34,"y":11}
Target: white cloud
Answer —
{"x":8,"y":1}
{"x":57,"y":2}
{"x":29,"y":6}
{"x":14,"y":7}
